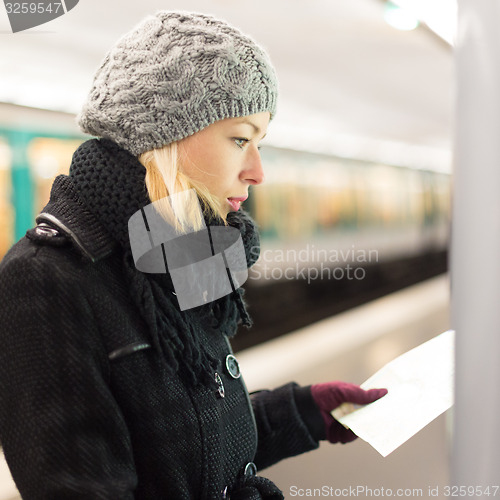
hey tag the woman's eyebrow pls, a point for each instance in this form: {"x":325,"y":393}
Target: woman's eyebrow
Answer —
{"x":255,"y":127}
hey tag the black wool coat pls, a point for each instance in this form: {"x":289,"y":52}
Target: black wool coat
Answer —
{"x":87,"y":410}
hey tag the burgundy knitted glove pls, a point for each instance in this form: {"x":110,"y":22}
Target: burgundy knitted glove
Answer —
{"x":330,"y":395}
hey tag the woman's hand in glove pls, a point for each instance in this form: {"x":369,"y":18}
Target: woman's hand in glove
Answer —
{"x":330,"y":395}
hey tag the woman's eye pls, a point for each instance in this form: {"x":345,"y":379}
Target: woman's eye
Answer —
{"x":241,"y":142}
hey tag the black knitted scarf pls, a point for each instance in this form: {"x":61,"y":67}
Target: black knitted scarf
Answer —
{"x":111,"y":182}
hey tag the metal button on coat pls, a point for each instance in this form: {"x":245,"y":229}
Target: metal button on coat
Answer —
{"x":232,"y":366}
{"x":43,"y":230}
{"x":220,"y":385}
{"x":250,"y":469}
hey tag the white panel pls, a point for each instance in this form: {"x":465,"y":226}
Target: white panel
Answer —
{"x":476,"y":246}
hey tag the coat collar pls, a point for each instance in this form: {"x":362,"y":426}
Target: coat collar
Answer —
{"x":67,"y":212}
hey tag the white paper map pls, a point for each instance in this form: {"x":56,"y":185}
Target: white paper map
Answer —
{"x":420,"y":385}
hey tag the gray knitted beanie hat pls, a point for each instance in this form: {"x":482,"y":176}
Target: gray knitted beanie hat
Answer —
{"x":173,"y":75}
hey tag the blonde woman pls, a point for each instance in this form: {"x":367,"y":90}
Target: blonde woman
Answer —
{"x":110,"y":387}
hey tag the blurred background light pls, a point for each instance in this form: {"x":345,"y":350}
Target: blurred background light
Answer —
{"x":399,"y":18}
{"x":440,"y":16}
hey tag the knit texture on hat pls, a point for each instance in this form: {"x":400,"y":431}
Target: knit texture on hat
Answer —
{"x":173,"y":75}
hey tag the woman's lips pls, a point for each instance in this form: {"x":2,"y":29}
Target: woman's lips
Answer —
{"x":236,"y":202}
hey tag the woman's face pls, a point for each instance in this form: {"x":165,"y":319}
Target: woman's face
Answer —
{"x":225,"y":157}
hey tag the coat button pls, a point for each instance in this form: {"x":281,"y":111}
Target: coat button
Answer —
{"x":250,"y":469}
{"x":220,"y":385}
{"x":232,"y":366}
{"x":43,"y":230}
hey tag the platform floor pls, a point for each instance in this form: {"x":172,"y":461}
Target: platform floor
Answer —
{"x":399,"y":322}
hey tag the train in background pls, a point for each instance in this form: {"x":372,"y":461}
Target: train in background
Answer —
{"x":323,"y":212}
{"x":327,"y":224}
{"x":35,"y":146}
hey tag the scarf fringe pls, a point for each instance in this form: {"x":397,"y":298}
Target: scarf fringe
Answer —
{"x":172,"y":335}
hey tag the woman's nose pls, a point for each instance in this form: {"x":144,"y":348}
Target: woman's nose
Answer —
{"x":254,"y":171}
